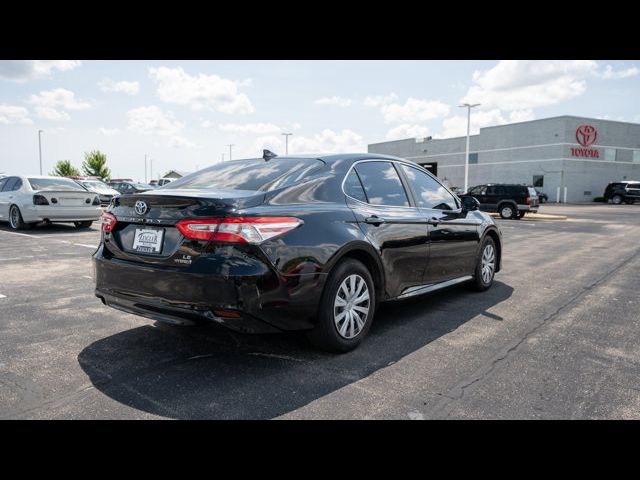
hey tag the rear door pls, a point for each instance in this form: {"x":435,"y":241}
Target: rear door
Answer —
{"x":4,"y":196}
{"x":393,"y":225}
{"x":453,"y":236}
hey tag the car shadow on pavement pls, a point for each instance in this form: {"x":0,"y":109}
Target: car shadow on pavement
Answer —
{"x":211,"y":373}
{"x":52,"y":228}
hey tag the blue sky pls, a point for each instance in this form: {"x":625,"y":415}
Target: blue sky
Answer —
{"x":182,"y":114}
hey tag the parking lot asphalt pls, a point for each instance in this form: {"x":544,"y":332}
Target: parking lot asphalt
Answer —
{"x":555,"y":337}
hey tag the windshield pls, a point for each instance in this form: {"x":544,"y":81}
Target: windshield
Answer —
{"x":255,"y":174}
{"x":94,"y":184}
{"x":142,"y":186}
{"x":55,"y":184}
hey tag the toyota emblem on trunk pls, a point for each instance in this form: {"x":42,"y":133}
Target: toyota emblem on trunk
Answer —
{"x":141,"y":207}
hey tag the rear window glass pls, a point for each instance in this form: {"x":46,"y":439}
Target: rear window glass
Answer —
{"x":532,"y":192}
{"x":254,"y":174}
{"x":55,"y":184}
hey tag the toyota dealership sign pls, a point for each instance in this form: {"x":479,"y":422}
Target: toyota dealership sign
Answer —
{"x":586,"y":135}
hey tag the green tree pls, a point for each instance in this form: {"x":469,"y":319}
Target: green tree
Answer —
{"x":65,"y":169}
{"x":95,"y":164}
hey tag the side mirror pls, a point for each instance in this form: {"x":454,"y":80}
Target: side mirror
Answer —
{"x":469,"y":204}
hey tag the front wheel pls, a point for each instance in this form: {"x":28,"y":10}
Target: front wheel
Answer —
{"x":346,"y":308}
{"x":616,"y":199}
{"x":83,"y":224}
{"x":508,"y":211}
{"x":486,"y":266}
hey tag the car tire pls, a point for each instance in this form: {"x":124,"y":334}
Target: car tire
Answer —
{"x":83,"y":224}
{"x":508,"y":211}
{"x":342,"y":323}
{"x":486,"y":266}
{"x":617,"y":199}
{"x":15,"y":219}
{"x":521,"y":214}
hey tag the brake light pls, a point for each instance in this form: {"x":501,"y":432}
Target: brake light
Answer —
{"x":108,"y":222}
{"x":237,"y":229}
{"x":527,"y":200}
{"x":40,"y":200}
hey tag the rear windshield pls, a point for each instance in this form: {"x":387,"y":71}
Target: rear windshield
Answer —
{"x":255,"y":174}
{"x":94,"y":184}
{"x":55,"y":184}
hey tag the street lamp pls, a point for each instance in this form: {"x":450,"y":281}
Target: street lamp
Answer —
{"x":466,"y":160}
{"x":40,"y":148}
{"x":230,"y":145}
{"x":286,"y":142}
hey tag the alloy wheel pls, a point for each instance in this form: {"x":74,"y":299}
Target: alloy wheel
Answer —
{"x":351,"y":306}
{"x":14,"y":217}
{"x":488,"y":264}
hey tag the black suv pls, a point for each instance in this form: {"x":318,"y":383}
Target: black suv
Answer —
{"x":509,"y":200}
{"x":288,"y":243}
{"x":618,"y":192}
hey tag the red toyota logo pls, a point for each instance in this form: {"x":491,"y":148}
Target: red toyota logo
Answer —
{"x":586,"y":135}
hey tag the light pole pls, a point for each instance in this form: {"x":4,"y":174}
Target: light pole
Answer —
{"x":230,"y":145}
{"x":286,"y":142}
{"x":223,"y":157}
{"x":151,"y":167}
{"x":40,"y":148}
{"x":466,"y":160}
{"x":145,"y":168}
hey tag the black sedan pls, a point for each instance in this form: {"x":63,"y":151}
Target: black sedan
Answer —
{"x":286,"y":243}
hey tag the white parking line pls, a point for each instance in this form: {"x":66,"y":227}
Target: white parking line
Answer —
{"x":3,"y":296}
{"x":23,"y":234}
{"x":84,"y":245}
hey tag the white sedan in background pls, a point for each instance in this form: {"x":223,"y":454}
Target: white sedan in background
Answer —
{"x":27,"y":200}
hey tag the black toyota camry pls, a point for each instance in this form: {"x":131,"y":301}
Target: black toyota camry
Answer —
{"x":289,"y":243}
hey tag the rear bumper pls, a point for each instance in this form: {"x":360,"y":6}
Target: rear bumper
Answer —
{"x":264,"y":300}
{"x":528,"y":208}
{"x":39,"y":213}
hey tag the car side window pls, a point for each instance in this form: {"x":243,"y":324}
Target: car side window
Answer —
{"x":8,"y":187}
{"x":479,"y":190}
{"x":353,"y":187}
{"x":382,"y":184}
{"x":17,"y":185}
{"x":2,"y":182}
{"x":429,"y":193}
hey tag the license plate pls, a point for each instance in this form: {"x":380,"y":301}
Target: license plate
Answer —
{"x":147,"y":240}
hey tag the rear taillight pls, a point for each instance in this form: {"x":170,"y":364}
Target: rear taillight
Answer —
{"x":40,"y":200}
{"x":237,"y":229}
{"x":96,"y":201}
{"x":527,"y":200}
{"x":108,"y":222}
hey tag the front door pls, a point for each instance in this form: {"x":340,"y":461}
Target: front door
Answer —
{"x":453,"y":236}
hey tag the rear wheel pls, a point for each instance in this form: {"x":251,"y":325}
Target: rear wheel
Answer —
{"x":15,"y":219}
{"x":486,"y":267}
{"x":346,"y":308}
{"x":521,"y":214}
{"x":83,"y":224}
{"x":616,"y":199}
{"x":508,"y":211}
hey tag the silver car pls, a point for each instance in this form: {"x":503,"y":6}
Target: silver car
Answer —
{"x":26,"y":200}
{"x":104,"y":191}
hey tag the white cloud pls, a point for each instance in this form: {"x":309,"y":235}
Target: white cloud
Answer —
{"x":335,"y":100}
{"x":457,"y":126}
{"x":23,"y":70}
{"x":610,"y":74}
{"x":407,"y":131}
{"x":14,"y":114}
{"x":521,"y":115}
{"x":53,"y":104}
{"x":379,"y":100}
{"x":109,"y":132}
{"x":250,"y":128}
{"x":414,"y":110}
{"x":200,"y":91}
{"x":152,"y":120}
{"x":178,"y":141}
{"x":130,"y":88}
{"x":525,"y":84}
{"x":328,"y":141}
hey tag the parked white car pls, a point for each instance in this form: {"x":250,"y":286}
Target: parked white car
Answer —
{"x":26,"y":200}
{"x":104,"y":191}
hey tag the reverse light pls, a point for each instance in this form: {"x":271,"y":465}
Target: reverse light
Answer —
{"x":40,"y":200}
{"x":237,"y":229}
{"x":108,"y":222}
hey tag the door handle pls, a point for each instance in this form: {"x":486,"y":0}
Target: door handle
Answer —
{"x":433,"y":221}
{"x":374,"y":220}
